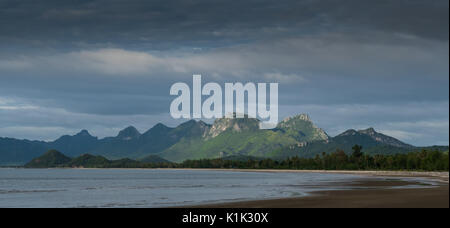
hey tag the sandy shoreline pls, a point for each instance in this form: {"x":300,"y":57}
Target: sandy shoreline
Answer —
{"x":437,"y":176}
{"x":369,"y":193}
{"x":361,"y":172}
{"x":359,"y":198}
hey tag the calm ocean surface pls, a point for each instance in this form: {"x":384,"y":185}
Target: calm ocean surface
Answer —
{"x":152,"y":188}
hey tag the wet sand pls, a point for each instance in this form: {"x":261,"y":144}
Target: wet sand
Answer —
{"x":380,"y":198}
{"x":369,"y":193}
{"x":440,"y":176}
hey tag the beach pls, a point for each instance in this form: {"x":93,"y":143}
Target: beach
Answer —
{"x":370,"y":193}
{"x":386,"y":198}
{"x":220,"y":188}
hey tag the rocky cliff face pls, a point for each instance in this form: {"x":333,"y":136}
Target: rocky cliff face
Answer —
{"x":303,"y":129}
{"x":299,"y":127}
{"x":236,"y":125}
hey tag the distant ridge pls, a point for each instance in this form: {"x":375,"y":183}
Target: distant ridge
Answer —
{"x":384,"y":138}
{"x":226,"y":137}
{"x":55,"y":159}
{"x":50,"y":159}
{"x":129,"y":133}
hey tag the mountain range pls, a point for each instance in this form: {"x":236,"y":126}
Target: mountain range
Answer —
{"x":226,"y":137}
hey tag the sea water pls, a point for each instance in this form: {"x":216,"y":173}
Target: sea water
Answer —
{"x":154,"y":188}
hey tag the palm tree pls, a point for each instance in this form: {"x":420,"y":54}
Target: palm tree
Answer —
{"x":357,"y":151}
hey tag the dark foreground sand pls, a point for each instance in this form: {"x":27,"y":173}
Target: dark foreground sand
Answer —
{"x":376,"y":194}
{"x":384,"y":198}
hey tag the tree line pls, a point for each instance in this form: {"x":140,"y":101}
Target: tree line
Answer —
{"x":424,"y":160}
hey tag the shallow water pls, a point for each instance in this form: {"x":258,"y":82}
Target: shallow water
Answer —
{"x":153,"y":188}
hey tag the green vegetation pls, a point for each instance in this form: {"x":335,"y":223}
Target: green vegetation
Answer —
{"x":339,"y":160}
{"x":230,"y":137}
{"x":228,"y":143}
{"x":55,"y":159}
{"x":425,"y":160}
{"x":302,"y":129}
{"x":297,"y":136}
{"x":88,"y":161}
{"x":51,"y":159}
{"x":357,"y":151}
{"x":153,"y":159}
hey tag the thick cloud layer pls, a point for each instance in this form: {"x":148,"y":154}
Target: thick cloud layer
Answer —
{"x":161,"y":23}
{"x":103,"y":65}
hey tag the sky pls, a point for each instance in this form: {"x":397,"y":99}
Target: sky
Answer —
{"x":104,"y":65}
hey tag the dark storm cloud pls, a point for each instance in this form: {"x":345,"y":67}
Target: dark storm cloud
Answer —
{"x":106,"y":64}
{"x":161,"y":24}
